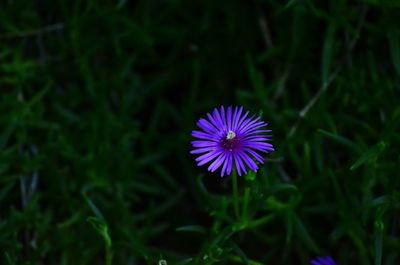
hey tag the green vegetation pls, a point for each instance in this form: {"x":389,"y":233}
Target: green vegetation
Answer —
{"x":98,"y":100}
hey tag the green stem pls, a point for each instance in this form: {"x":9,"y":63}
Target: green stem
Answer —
{"x":109,"y":254}
{"x":235,"y":193}
{"x":260,"y":221}
{"x":245,"y":213}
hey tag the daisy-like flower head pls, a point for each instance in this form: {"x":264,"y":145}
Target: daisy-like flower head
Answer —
{"x":323,"y":261}
{"x":231,"y":138}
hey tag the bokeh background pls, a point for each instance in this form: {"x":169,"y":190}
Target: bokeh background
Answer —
{"x":98,"y":100}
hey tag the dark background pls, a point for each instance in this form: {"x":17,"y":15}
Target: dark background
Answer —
{"x":98,"y":100}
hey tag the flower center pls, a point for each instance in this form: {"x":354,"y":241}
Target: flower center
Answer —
{"x":230,"y":135}
{"x":230,"y":141}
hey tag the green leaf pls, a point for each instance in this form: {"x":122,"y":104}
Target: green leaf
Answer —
{"x":379,"y":228}
{"x":289,"y":4}
{"x":289,"y":228}
{"x":340,"y":139}
{"x":5,"y":136}
{"x":394,"y":43}
{"x":250,"y":176}
{"x":101,"y":227}
{"x":224,"y":235}
{"x":303,"y":234}
{"x":256,"y":79}
{"x":192,"y":228}
{"x":239,"y":252}
{"x":260,"y":221}
{"x":281,"y":187}
{"x":327,"y":52}
{"x":10,"y":261}
{"x":378,"y":237}
{"x":369,"y":155}
{"x":380,"y":201}
{"x":5,"y":191}
{"x":92,"y":206}
{"x":186,"y":261}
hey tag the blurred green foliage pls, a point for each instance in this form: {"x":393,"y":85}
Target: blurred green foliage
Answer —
{"x":98,"y":99}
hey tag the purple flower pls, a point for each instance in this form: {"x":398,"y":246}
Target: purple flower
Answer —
{"x":323,"y":261}
{"x":231,"y":138}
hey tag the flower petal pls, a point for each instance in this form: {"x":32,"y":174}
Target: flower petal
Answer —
{"x":247,"y":122}
{"x":207,"y":126}
{"x":229,"y":118}
{"x":323,"y":261}
{"x":250,"y":163}
{"x":214,"y":165}
{"x":229,"y":164}
{"x":203,"y":150}
{"x":203,"y":135}
{"x":225,"y":165}
{"x":203,"y":143}
{"x":217,"y":117}
{"x":236,"y":117}
{"x":242,"y":119}
{"x":239,"y":164}
{"x":223,"y":118}
{"x":203,"y":159}
{"x":255,"y":155}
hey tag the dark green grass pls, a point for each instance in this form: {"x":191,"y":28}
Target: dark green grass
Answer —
{"x":98,"y":99}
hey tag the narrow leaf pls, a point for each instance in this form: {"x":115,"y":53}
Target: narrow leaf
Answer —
{"x":303,"y":234}
{"x":340,"y":139}
{"x":369,"y":155}
{"x":239,"y":252}
{"x":191,"y":228}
